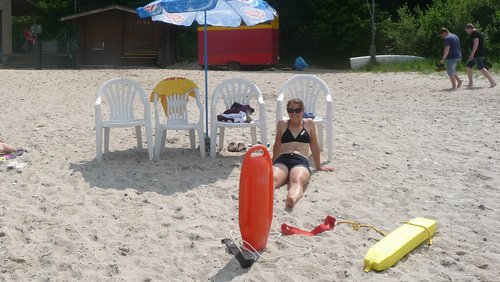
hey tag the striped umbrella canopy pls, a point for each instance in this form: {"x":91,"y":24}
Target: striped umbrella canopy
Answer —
{"x":228,"y":13}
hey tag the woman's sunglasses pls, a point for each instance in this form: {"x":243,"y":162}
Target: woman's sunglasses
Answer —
{"x":296,"y":110}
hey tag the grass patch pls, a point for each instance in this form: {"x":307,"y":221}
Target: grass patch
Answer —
{"x":421,"y":66}
{"x":495,"y":66}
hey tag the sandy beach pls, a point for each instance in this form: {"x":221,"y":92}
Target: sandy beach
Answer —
{"x":404,"y":146}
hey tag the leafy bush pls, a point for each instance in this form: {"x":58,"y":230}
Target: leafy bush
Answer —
{"x":318,"y":29}
{"x":416,"y":31}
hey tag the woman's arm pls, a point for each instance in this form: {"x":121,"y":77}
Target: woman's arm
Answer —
{"x":277,"y":141}
{"x":314,"y":144}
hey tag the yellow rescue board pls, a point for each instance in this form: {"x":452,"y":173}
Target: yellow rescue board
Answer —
{"x":398,"y":243}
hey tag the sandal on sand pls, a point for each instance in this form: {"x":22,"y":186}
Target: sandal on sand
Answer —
{"x":232,"y":147}
{"x":15,"y":165}
{"x":15,"y":154}
{"x":241,"y":147}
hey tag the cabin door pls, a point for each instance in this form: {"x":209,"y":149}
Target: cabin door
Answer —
{"x":96,"y":44}
{"x":103,"y":42}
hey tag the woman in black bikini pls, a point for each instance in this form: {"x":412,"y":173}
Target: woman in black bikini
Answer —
{"x":294,"y":137}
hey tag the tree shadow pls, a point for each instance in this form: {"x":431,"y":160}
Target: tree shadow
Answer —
{"x":178,"y":170}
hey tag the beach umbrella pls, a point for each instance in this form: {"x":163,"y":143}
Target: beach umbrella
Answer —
{"x":227,"y":13}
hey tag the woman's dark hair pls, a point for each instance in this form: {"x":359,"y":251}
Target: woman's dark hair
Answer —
{"x":295,"y":101}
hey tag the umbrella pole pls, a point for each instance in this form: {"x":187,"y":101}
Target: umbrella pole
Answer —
{"x":205,"y":63}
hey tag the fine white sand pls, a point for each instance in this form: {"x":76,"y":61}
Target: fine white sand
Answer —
{"x":405,"y":147}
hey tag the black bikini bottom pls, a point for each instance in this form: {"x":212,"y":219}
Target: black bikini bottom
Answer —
{"x":292,"y":160}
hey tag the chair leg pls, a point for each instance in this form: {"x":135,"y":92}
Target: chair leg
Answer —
{"x":192,"y":139}
{"x":221,"y":138}
{"x":329,"y":141}
{"x":213,"y":140}
{"x":158,"y":142}
{"x":149,"y":140}
{"x":106,"y":139}
{"x":138,"y":135}
{"x":253,"y":131}
{"x":163,"y":140}
{"x":201,"y":141}
{"x":263,"y":135}
{"x":319,"y":130}
{"x":98,"y":143}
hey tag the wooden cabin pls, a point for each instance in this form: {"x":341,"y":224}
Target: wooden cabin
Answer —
{"x":115,"y":36}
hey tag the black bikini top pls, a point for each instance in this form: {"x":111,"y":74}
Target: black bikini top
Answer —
{"x":302,"y":137}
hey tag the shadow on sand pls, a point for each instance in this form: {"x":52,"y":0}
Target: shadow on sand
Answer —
{"x":177,"y":171}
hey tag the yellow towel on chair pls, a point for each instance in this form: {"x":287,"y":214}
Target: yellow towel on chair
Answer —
{"x":170,"y":86}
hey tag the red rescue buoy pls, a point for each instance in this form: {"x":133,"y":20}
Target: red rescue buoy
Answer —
{"x":256,"y":197}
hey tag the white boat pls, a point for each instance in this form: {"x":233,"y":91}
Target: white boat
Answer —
{"x":359,"y":62}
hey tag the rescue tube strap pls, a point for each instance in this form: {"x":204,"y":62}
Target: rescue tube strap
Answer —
{"x":356,"y":226}
{"x":429,"y":236}
{"x":328,"y":224}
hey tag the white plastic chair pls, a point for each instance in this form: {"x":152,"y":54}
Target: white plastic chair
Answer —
{"x":177,"y":118}
{"x":241,"y":91}
{"x":119,"y":96}
{"x":310,"y":89}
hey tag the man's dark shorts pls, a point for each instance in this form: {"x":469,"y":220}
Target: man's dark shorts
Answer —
{"x":479,"y":61}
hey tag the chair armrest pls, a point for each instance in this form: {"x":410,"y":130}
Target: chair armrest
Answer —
{"x":98,"y":100}
{"x":329,"y":98}
{"x":329,"y":112}
{"x":263,"y":122}
{"x":201,"y":108}
{"x":329,"y":109}
{"x":260,"y":100}
{"x":213,"y":115}
{"x":156,"y":99}
{"x":280,"y":98}
{"x":329,"y":125}
{"x":279,"y":107}
{"x":98,"y":111}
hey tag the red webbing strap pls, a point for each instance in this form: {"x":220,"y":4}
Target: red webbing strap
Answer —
{"x":328,"y":224}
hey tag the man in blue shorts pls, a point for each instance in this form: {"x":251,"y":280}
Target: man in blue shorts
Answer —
{"x":452,"y":55}
{"x":477,"y":54}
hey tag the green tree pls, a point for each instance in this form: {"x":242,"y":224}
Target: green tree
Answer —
{"x":324,"y":32}
{"x":416,"y":31}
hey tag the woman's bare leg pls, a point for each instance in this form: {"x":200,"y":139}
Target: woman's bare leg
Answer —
{"x":298,"y":178}
{"x":280,"y":175}
{"x":5,"y":148}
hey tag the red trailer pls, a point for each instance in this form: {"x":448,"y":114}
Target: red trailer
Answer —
{"x":234,"y":47}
